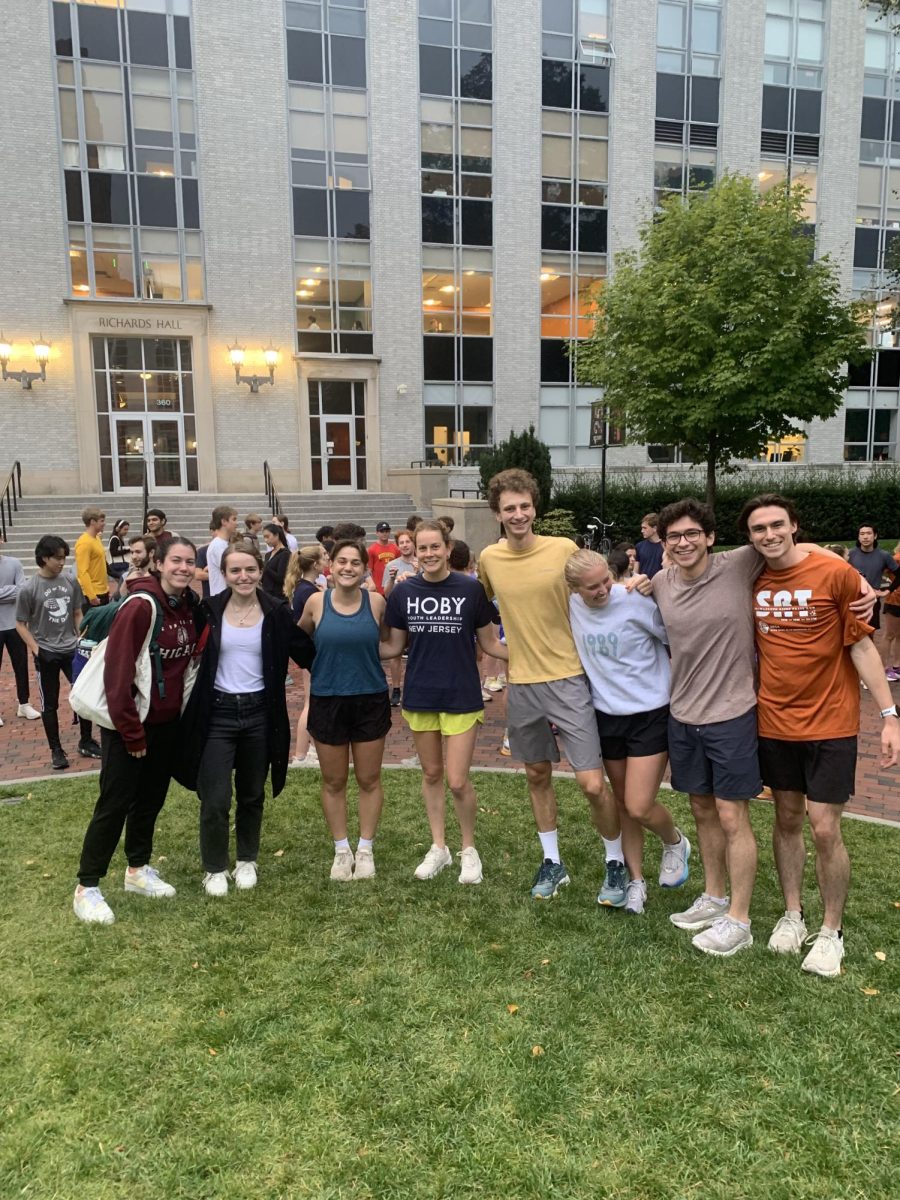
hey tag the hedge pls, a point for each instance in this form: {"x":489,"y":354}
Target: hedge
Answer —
{"x":832,"y":504}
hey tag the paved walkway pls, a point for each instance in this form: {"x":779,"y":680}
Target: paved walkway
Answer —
{"x":24,"y":754}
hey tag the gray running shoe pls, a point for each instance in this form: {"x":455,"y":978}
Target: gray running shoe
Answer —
{"x":635,"y":897}
{"x":788,"y":935}
{"x":615,"y":885}
{"x":826,"y":954}
{"x":701,"y":913}
{"x":549,"y":879}
{"x":723,"y":938}
{"x":674,"y":869}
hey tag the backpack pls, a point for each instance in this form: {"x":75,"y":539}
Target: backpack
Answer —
{"x":96,"y":623}
{"x":88,"y":694}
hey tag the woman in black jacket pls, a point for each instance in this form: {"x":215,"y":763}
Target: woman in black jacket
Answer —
{"x":277,"y":560}
{"x":237,"y":719}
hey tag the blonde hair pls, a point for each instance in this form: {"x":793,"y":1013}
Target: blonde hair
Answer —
{"x":301,"y":561}
{"x":581,"y":561}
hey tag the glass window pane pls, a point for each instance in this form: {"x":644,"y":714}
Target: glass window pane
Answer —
{"x":437,"y":219}
{"x":352,"y":214}
{"x":113,"y":272}
{"x":670,"y":26}
{"x":307,"y":131}
{"x":156,"y":201}
{"x":348,"y":61}
{"x":310,"y":212}
{"x":556,"y":85}
{"x":68,"y":114}
{"x":109,"y":199}
{"x":476,"y":221}
{"x":352,"y":104}
{"x":670,"y":96}
{"x":778,"y":37}
{"x":810,"y":41}
{"x":592,"y":159}
{"x":98,"y":33}
{"x":435,"y":33}
{"x":436,"y":70}
{"x":104,"y":117}
{"x":160,"y":278}
{"x":556,"y":157}
{"x":62,"y":29}
{"x":151,"y":114}
{"x":878,"y":46}
{"x":705,"y":30}
{"x":186,"y":117}
{"x":556,"y":227}
{"x":592,"y":230}
{"x":351,"y":135}
{"x":304,"y":56}
{"x":439,"y":358}
{"x":475,"y":75}
{"x":593,"y":88}
{"x":181,"y":27}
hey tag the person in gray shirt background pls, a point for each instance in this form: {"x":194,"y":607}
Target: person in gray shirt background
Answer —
{"x":12,"y":580}
{"x":873,"y":564}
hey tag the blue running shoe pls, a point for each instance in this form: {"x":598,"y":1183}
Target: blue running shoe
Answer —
{"x":674,"y":869}
{"x":550,"y":878}
{"x":615,"y":886}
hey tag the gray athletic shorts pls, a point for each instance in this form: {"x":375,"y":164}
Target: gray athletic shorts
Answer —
{"x":567,"y":703}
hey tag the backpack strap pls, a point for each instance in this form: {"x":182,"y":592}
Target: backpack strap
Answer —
{"x":155,"y":652}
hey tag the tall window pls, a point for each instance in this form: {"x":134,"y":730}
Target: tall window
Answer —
{"x":688,"y":49}
{"x":329,"y":132}
{"x":129,"y":149}
{"x":873,"y":397}
{"x":577,"y":56}
{"x":456,"y":121}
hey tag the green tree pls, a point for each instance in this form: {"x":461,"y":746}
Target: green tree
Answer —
{"x":527,"y":452}
{"x":886,"y":8}
{"x":722,"y":333}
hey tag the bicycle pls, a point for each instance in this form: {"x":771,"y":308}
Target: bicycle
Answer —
{"x":601,"y":542}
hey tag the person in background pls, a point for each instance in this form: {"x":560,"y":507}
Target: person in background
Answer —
{"x":628,"y":549}
{"x":223,"y":525}
{"x":874,"y":565}
{"x":155,"y":525}
{"x":413,"y":522}
{"x":48,"y":617}
{"x":892,"y":625}
{"x":404,"y":565}
{"x":138,"y":757}
{"x":277,"y":559}
{"x":90,"y":559}
{"x":252,"y":526}
{"x":463,"y":560}
{"x":649,"y":551}
{"x":117,"y":558}
{"x":325,"y":533}
{"x":281,"y":519}
{"x":142,"y":556}
{"x":620,"y":565}
{"x":302,"y":581}
{"x":840,"y":550}
{"x":201,"y":573}
{"x":12,"y":580}
{"x":381,"y":552}
{"x":449,"y":525}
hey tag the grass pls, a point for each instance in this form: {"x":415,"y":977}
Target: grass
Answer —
{"x":395,"y":1039}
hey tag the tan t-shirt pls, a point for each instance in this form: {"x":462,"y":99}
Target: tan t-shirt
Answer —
{"x":709,"y":621}
{"x":534,"y":607}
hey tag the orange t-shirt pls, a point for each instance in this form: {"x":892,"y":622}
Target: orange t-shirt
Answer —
{"x":808,"y":686}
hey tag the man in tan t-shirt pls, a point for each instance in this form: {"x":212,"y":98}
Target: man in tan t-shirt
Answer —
{"x":813,"y":650}
{"x":546,"y":681}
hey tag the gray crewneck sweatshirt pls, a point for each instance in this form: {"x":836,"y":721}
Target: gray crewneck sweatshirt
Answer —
{"x":12,"y":579}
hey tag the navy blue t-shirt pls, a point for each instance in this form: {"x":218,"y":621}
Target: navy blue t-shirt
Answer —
{"x":441,"y":618}
{"x":649,"y":556}
{"x":302,"y":593}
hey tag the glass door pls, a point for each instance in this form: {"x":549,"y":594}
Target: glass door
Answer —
{"x":166,"y":463}
{"x":340,"y":452}
{"x":158,"y":442}
{"x":129,"y":439}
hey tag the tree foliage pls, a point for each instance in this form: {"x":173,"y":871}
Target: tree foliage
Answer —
{"x":722,"y":333}
{"x":526,"y":451}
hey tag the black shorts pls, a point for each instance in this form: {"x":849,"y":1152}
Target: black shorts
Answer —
{"x":719,"y":759}
{"x":875,"y":619}
{"x":892,"y":610}
{"x":636,"y":735}
{"x":824,"y":771}
{"x":337,"y":720}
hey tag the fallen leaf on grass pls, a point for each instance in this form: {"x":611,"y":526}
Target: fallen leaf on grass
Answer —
{"x":869,"y":991}
{"x":195,"y":965}
{"x":880,"y":955}
{"x":545,"y":962}
{"x":214,"y":1053}
{"x":537,"y":1051}
{"x":47,"y":875}
{"x":896,"y":902}
{"x":512,"y":1009}
{"x":528,"y":974}
{"x":29,"y":862}
{"x":495,"y":946}
{"x":278,"y":854}
{"x":161,"y":858}
{"x":221,"y":1012}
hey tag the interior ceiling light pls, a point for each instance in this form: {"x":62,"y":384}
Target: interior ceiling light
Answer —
{"x":429,"y":302}
{"x":548,"y":277}
{"x":309,"y":282}
{"x":448,"y":287}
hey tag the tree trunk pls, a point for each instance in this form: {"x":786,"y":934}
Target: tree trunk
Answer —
{"x":711,"y":455}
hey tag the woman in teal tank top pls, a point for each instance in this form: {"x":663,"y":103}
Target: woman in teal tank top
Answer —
{"x":349,"y":704}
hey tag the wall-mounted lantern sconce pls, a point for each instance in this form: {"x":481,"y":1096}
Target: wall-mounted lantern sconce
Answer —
{"x":26,"y":378}
{"x":236,"y":354}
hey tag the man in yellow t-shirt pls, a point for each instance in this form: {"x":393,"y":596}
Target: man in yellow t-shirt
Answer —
{"x":546,"y":680}
{"x":90,"y":558}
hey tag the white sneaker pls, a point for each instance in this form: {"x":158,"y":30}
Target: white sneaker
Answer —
{"x":701,"y":913}
{"x":215,"y":883}
{"x":470,"y":866}
{"x":487,"y":696}
{"x":788,"y":935}
{"x":146,"y":882}
{"x":28,"y":712}
{"x":244,"y":875}
{"x":826,"y":954}
{"x":495,"y":684}
{"x":365,"y":864}
{"x":342,"y":867}
{"x":412,"y":761}
{"x":433,"y":863}
{"x":90,"y":906}
{"x":674,"y":869}
{"x":723,"y":938}
{"x":1,"y":722}
{"x":635,"y":897}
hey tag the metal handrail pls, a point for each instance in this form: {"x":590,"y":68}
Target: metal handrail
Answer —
{"x":477,"y":492}
{"x":425,"y":462}
{"x":10,"y":497}
{"x":271,"y":491}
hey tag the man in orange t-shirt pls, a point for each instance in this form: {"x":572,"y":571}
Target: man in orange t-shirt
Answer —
{"x":812,"y":653}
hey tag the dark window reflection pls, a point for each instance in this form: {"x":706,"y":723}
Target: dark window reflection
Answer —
{"x":670,"y":97}
{"x":436,"y":70}
{"x":439,"y":354}
{"x":556,"y":84}
{"x":475,"y":75}
{"x":478,"y":359}
{"x":593,"y":89}
{"x":865,"y":249}
{"x":554,"y":363}
{"x":304,"y":56}
{"x":874,"y":112}
{"x":182,"y":29}
{"x":109,"y":199}
{"x":476,"y":220}
{"x":62,"y":29}
{"x":98,"y":33}
{"x":807,"y":111}
{"x":74,"y":196}
{"x":156,"y":201}
{"x":355,"y":343}
{"x":592,"y":230}
{"x":888,"y":368}
{"x":776,"y":102}
{"x":348,"y":61}
{"x":352,"y":214}
{"x":705,"y":99}
{"x":556,"y":227}
{"x":311,"y":212}
{"x":190,"y":203}
{"x":437,"y":219}
{"x":147,"y":40}
{"x":859,"y":375}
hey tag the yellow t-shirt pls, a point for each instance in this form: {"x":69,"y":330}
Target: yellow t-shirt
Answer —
{"x":534,"y":607}
{"x":90,"y":566}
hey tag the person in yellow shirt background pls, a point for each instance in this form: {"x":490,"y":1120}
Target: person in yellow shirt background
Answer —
{"x":90,"y":558}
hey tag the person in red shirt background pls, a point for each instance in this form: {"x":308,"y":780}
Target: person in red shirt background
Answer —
{"x":381,"y":552}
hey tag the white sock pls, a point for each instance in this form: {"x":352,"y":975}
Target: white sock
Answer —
{"x":364,"y":844}
{"x":716,"y":899}
{"x":613,"y":848}
{"x":341,"y":844}
{"x":550,"y":844}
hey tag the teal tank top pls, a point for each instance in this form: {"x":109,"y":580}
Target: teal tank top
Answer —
{"x":347,"y":662}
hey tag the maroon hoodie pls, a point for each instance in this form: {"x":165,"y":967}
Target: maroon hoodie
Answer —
{"x":177,"y":639}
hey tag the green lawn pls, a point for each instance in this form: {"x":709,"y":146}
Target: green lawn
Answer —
{"x":395,"y":1039}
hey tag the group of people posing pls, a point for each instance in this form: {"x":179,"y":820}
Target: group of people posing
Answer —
{"x":738,"y":669}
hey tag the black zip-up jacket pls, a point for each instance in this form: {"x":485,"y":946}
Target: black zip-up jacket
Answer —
{"x":281,"y":639}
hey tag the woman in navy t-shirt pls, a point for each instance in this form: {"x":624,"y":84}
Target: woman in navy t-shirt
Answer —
{"x":441,"y":613}
{"x":303,"y":570}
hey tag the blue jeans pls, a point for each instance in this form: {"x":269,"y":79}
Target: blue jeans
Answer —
{"x":237,"y":741}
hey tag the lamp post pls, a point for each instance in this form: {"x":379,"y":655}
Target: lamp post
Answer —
{"x":26,"y":378}
{"x":236,"y":354}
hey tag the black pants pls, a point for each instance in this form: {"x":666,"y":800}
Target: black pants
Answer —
{"x":237,"y":741}
{"x":132,"y":793}
{"x":18,"y":656}
{"x":49,"y":668}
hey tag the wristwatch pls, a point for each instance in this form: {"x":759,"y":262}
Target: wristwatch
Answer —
{"x":889,"y":712}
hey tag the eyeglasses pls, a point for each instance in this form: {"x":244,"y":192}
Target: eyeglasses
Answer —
{"x":690,"y":535}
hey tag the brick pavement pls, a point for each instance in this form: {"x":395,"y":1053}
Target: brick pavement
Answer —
{"x":24,"y":754}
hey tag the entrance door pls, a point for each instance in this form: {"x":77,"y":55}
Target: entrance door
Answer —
{"x":155,"y":441}
{"x":340,"y":452}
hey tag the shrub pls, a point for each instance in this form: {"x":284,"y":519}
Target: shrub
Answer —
{"x":558,"y":522}
{"x":525,"y":451}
